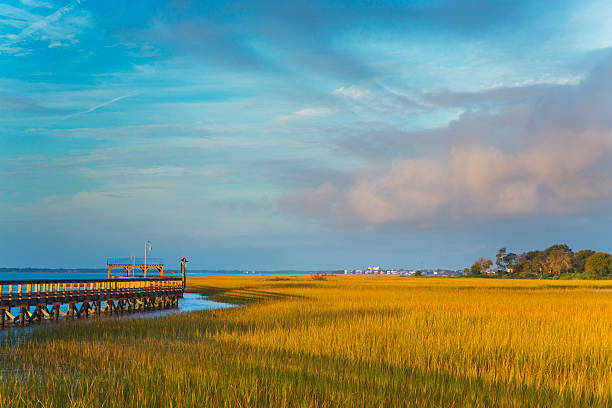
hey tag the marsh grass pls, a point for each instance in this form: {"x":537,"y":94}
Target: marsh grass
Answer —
{"x":341,"y":342}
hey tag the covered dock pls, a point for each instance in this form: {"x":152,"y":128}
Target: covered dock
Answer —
{"x":131,"y":265}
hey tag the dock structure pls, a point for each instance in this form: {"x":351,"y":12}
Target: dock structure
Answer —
{"x":130,"y":265}
{"x":28,"y":301}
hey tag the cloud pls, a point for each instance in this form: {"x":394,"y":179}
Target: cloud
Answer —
{"x":14,"y":17}
{"x":306,"y":113}
{"x":546,"y":151}
{"x":43,"y":24}
{"x":294,"y":173}
{"x":310,"y":38}
{"x":45,"y":27}
{"x":36,"y":4}
{"x":352,"y":91}
{"x":375,"y":100}
{"x":18,"y":103}
{"x":309,"y":112}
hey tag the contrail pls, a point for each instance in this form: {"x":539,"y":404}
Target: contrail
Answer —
{"x":50,"y":19}
{"x":101,"y":105}
{"x":44,"y":22}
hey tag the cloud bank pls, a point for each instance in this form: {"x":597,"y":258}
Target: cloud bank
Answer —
{"x":543,"y":150}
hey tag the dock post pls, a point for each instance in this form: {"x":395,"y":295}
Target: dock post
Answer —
{"x":2,"y":317}
{"x":22,"y":315}
{"x":183,"y":262}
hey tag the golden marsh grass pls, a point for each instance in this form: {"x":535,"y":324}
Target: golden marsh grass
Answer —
{"x":346,"y":341}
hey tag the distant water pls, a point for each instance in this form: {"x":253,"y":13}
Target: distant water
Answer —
{"x":52,"y":275}
{"x":36,"y":274}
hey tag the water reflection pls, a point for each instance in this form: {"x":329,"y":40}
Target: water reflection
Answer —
{"x":191,"y":302}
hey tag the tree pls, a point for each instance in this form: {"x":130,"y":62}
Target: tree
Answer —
{"x":598,"y":265}
{"x":481,"y":266}
{"x":559,"y":247}
{"x":505,"y":261}
{"x":580,"y":259}
{"x":500,"y":261}
{"x":554,"y":261}
{"x":530,"y":263}
{"x":474,"y":270}
{"x":559,"y":261}
{"x":510,"y":261}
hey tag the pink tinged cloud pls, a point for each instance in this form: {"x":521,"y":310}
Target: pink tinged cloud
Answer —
{"x":547,"y":168}
{"x":475,"y":181}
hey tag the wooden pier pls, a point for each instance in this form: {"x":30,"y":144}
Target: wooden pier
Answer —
{"x":38,"y":300}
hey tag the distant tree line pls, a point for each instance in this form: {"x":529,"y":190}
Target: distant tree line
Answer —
{"x":555,"y":262}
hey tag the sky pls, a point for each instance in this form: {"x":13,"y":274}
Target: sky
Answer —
{"x":303,"y":134}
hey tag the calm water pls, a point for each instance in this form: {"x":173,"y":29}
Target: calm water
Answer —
{"x":103,"y":274}
{"x":190,"y":302}
{"x":75,"y":274}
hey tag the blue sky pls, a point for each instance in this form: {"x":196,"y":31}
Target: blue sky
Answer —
{"x":302,"y":135}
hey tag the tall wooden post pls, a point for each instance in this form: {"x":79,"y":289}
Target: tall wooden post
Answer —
{"x":183,"y":262}
{"x":22,"y":315}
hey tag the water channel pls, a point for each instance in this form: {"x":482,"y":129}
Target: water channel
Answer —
{"x":191,"y":302}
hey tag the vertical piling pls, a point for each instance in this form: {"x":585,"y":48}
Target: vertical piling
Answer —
{"x":22,"y":314}
{"x":183,"y":272}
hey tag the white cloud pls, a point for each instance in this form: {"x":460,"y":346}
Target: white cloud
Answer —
{"x":306,"y":113}
{"x":309,"y":112}
{"x":36,"y":4}
{"x":56,"y":44}
{"x":352,"y":91}
{"x":377,"y":100}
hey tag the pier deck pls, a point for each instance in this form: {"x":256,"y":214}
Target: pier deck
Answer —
{"x":83,"y":297}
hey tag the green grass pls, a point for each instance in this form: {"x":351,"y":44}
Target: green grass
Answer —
{"x":347,"y":342}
